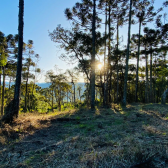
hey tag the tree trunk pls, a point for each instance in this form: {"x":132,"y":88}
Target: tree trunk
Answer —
{"x":59,"y":101}
{"x":19,"y":60}
{"x":117,"y":61}
{"x":29,"y":101}
{"x":14,"y":105}
{"x":92,"y":79}
{"x":59,"y":104}
{"x":137,"y":70}
{"x":127,"y":58}
{"x":146,"y":86}
{"x":109,"y":55}
{"x":52,"y":92}
{"x":3,"y":91}
{"x":87,"y":94}
{"x":74,"y":93}
{"x":110,"y":88}
{"x":27,"y":78}
{"x":26,"y":98}
{"x":151,"y":94}
{"x":105,"y":71}
{"x":0,"y":89}
{"x":155,"y":82}
{"x":31,"y":106}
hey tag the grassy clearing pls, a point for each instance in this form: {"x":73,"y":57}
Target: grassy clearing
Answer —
{"x":107,"y":138}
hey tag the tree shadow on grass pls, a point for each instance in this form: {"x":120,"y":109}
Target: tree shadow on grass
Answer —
{"x":83,"y":138}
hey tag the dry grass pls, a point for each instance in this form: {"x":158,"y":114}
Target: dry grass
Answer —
{"x":108,"y":138}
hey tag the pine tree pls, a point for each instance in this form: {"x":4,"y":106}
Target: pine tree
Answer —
{"x":15,"y":104}
{"x":127,"y":58}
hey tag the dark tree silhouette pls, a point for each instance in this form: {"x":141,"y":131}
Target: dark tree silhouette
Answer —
{"x":13,"y":112}
{"x":92,"y":78}
{"x":19,"y":59}
{"x":127,"y":58}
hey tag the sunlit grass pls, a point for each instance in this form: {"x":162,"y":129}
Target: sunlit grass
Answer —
{"x":117,"y":137}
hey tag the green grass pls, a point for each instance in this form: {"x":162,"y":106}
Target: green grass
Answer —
{"x":113,"y":137}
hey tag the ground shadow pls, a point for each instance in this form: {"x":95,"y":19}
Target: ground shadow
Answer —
{"x":83,"y":138}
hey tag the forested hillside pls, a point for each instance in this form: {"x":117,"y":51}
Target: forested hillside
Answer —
{"x":109,"y":110}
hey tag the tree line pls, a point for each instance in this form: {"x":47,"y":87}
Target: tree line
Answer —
{"x":95,"y":33}
{"x":94,"y":39}
{"x":32,"y":97}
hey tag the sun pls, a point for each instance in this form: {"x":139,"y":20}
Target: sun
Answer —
{"x":99,"y":66}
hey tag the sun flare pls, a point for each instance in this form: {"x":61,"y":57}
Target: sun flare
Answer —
{"x":99,"y":66}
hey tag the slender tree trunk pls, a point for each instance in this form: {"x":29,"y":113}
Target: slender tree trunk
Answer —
{"x":74,"y":93}
{"x":117,"y":60}
{"x":146,"y":86}
{"x":155,"y":82}
{"x":67,"y":97}
{"x":87,"y":95}
{"x":29,"y":101}
{"x":60,"y":101}
{"x":110,"y":87}
{"x":27,"y":78}
{"x":137,"y":70}
{"x":3,"y":91}
{"x":9,"y":98}
{"x":19,"y":61}
{"x":127,"y":58}
{"x":52,"y":99}
{"x":0,"y":89}
{"x":56,"y":98}
{"x":105,"y":70}
{"x":151,"y":98}
{"x":109,"y":55}
{"x":31,"y":106}
{"x":162,"y":66}
{"x":92,"y":79}
{"x":59,"y":104}
{"x":158,"y":95}
{"x":26,"y":98}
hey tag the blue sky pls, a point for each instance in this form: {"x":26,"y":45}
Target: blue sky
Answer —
{"x":41,"y":16}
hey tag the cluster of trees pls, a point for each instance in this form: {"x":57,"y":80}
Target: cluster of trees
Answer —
{"x":19,"y":64}
{"x":64,"y":89}
{"x":95,"y":31}
{"x":32,"y":96}
{"x":8,"y":66}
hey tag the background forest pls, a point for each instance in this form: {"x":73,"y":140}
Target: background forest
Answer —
{"x":120,"y":73}
{"x":116,"y":118}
